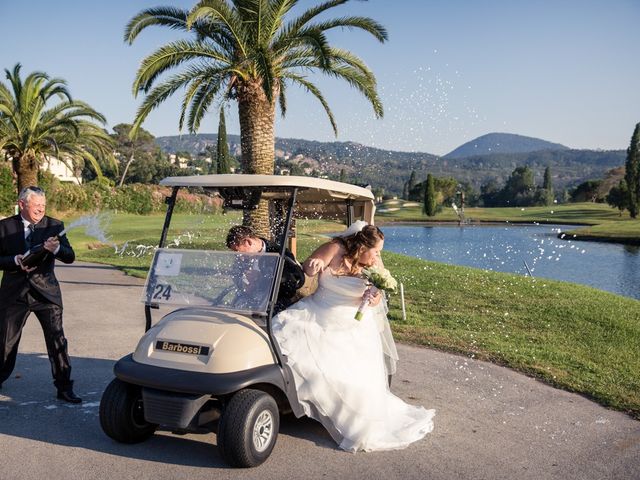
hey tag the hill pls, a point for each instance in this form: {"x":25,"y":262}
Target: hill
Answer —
{"x":391,"y":169}
{"x":502,"y":143}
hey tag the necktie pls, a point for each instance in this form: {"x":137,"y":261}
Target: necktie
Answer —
{"x":29,"y":239}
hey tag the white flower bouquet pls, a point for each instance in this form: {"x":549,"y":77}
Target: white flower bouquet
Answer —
{"x":379,"y":278}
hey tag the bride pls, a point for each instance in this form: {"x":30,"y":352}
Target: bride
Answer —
{"x":339,"y":364}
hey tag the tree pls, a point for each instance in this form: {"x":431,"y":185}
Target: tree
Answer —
{"x":446,"y":188}
{"x":520,"y":187}
{"x":343,"y":175}
{"x":222,"y":148}
{"x":412,"y":181}
{"x":618,"y":196}
{"x":547,"y":186}
{"x":138,"y":153}
{"x":430,"y":197}
{"x":33,"y":128}
{"x":586,"y":192}
{"x":632,"y":173}
{"x":246,"y":51}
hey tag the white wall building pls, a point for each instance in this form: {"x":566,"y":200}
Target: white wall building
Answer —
{"x":61,"y":171}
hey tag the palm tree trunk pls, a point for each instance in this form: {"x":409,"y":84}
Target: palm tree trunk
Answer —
{"x":257,"y":116}
{"x":26,"y":170}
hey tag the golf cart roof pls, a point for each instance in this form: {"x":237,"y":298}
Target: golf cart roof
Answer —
{"x":314,"y":194}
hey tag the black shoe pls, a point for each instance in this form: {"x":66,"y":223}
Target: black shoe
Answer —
{"x":69,"y":396}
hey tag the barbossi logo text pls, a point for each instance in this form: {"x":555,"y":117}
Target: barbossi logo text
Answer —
{"x":182,"y":348}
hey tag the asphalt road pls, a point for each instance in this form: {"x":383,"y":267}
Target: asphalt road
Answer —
{"x":491,"y":423}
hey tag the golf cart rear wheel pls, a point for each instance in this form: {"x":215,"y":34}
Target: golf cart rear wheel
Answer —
{"x":248,"y":428}
{"x":122,"y":413}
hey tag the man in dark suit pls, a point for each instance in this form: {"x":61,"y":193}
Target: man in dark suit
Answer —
{"x":33,"y":289}
{"x":243,"y":239}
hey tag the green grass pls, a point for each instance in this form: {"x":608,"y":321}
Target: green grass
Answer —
{"x":573,"y":213}
{"x":574,"y":337}
{"x":624,"y":232}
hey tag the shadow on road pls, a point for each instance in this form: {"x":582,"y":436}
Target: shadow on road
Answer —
{"x":73,"y":282}
{"x":29,"y":410}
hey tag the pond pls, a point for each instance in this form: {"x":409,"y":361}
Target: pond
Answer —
{"x":516,"y":248}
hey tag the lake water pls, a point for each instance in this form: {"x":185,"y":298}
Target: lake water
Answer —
{"x":607,"y":266}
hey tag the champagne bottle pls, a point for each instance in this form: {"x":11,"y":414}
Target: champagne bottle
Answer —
{"x":36,"y":254}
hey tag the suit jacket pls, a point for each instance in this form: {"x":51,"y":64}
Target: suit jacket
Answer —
{"x":292,"y":274}
{"x":15,"y":281}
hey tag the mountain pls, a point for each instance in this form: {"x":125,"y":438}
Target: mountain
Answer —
{"x":390,"y":169}
{"x":502,"y":143}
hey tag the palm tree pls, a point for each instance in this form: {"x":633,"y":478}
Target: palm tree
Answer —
{"x":244,"y":50}
{"x":31,"y":129}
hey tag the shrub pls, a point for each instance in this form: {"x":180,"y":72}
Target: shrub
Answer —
{"x":7,"y":192}
{"x":99,"y":195}
{"x":70,"y":197}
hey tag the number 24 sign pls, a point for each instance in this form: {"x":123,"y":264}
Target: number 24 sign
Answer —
{"x":161,"y":292}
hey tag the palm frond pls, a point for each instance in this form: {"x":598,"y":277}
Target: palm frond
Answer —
{"x":311,"y":13}
{"x":315,"y":91}
{"x":278,"y":9}
{"x":201,"y":103}
{"x":219,"y":11}
{"x":360,"y":82}
{"x":264,"y":71}
{"x":156,"y":96}
{"x":194,"y":85}
{"x":313,"y":38}
{"x":199,"y":75}
{"x":361,"y":23}
{"x":174,"y":18}
{"x":172,"y":55}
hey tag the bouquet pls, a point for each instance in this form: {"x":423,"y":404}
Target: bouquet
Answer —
{"x":379,"y":278}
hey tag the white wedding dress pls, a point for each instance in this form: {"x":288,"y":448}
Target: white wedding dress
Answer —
{"x":340,"y":367}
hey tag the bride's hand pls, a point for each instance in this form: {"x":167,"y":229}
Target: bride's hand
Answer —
{"x":314,"y":266}
{"x":374,"y":296}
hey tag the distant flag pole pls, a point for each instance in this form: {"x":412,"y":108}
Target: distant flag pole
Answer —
{"x":404,"y":312}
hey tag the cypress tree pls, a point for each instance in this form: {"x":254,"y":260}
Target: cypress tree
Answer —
{"x":548,"y":187}
{"x":430,"y":197}
{"x":222,"y":150}
{"x":632,"y":173}
{"x":411,"y":184}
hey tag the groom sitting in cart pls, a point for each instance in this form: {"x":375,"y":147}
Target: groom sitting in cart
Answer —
{"x":243,"y":239}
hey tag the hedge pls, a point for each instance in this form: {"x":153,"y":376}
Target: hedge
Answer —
{"x":98,"y":196}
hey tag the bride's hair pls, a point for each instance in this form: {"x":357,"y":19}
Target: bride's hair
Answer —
{"x":368,"y":238}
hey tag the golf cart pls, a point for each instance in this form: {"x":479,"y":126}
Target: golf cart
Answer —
{"x":211,"y":362}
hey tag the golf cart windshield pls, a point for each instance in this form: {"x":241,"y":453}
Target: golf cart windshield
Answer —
{"x":222,"y":279}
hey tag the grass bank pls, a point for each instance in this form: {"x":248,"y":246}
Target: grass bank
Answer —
{"x":571,"y":213}
{"x":602,"y":223}
{"x":619,"y":232}
{"x":573,"y":337}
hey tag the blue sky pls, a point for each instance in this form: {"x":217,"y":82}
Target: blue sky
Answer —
{"x":566,"y":71}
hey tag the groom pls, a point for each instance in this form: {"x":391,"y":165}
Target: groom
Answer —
{"x":243,"y":239}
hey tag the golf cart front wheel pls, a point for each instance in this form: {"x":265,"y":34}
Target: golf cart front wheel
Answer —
{"x":248,"y":428}
{"x":122,"y":413}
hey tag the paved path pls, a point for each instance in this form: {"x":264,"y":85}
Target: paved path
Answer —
{"x":491,"y":423}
